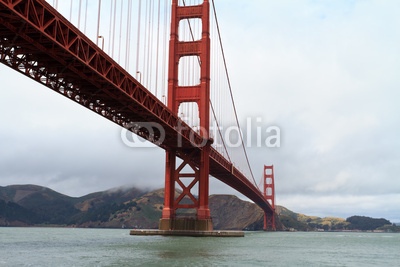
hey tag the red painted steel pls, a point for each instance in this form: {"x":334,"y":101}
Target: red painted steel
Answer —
{"x":199,"y":94}
{"x":269,"y":194}
{"x":40,"y":43}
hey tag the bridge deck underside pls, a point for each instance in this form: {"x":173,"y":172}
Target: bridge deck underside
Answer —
{"x":38,"y":42}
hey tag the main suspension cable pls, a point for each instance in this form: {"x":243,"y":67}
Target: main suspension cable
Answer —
{"x":230,"y":90}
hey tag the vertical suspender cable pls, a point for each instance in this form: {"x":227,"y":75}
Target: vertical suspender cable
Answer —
{"x":130,"y":32}
{"x":145,"y":40}
{"x":151,"y":43}
{"x":149,"y":50}
{"x":70,"y":11}
{"x":219,"y":131}
{"x":128,"y":15}
{"x":79,"y":15}
{"x":109,"y":30}
{"x":164,"y":82}
{"x":128,"y":36}
{"x":138,"y":40}
{"x":85,"y":16}
{"x":120,"y":33}
{"x":158,"y":43}
{"x":113,"y":37}
{"x":98,"y":24}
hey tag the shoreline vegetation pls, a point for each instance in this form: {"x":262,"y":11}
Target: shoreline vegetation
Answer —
{"x":132,"y":208}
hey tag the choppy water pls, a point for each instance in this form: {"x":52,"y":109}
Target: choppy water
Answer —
{"x":106,"y":247}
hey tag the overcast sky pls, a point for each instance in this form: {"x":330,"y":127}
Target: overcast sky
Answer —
{"x":325,"y":72}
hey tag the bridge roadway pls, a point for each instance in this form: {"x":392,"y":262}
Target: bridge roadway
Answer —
{"x":40,"y":43}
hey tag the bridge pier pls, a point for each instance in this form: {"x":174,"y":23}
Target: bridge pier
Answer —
{"x":193,"y":173}
{"x":186,"y":224}
{"x":184,"y":199}
{"x":269,"y":194}
{"x":148,"y":232}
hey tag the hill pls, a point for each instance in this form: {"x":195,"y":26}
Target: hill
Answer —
{"x":32,"y":205}
{"x":41,"y":205}
{"x":298,"y":221}
{"x":228,"y":213}
{"x":303,"y":222}
{"x":27,"y":205}
{"x":366,"y":223}
{"x":24,"y":205}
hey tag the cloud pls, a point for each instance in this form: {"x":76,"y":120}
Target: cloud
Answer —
{"x":328,"y":82}
{"x":51,"y":141}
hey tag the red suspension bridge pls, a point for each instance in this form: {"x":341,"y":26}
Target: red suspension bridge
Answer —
{"x":180,"y":98}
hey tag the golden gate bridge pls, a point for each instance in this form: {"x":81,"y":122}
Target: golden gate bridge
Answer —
{"x":157,"y":69}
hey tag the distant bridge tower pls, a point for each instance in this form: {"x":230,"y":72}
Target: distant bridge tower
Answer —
{"x":196,"y":175}
{"x":269,"y":194}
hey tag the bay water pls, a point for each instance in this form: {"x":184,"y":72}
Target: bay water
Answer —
{"x":115,"y":247}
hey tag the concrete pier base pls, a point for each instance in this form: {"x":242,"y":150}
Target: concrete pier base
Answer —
{"x":185,"y":224}
{"x":188,"y":233}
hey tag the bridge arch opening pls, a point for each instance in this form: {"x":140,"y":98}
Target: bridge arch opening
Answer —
{"x":190,"y":30}
{"x":189,"y":113}
{"x":189,"y":71}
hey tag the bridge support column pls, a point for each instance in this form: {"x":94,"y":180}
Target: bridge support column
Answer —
{"x":203,"y":212}
{"x":169,"y":209}
{"x":198,"y":216}
{"x":198,"y":212}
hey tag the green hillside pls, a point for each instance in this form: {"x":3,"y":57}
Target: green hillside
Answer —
{"x":25,"y":205}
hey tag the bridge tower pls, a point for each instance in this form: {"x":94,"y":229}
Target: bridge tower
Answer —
{"x":198,"y":174}
{"x":269,"y":194}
